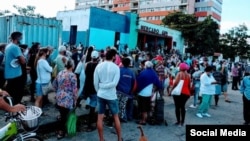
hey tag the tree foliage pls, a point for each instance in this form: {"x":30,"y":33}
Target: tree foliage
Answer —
{"x":200,"y":37}
{"x":182,"y":22}
{"x":206,"y":37}
{"x":27,"y":11}
{"x":4,"y":12}
{"x":234,"y":42}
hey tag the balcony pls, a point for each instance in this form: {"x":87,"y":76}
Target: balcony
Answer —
{"x":120,"y":1}
{"x":183,"y":1}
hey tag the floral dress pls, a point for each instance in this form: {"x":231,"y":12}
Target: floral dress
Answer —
{"x":66,"y":89}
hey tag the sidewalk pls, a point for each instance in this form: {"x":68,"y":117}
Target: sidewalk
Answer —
{"x":224,"y":114}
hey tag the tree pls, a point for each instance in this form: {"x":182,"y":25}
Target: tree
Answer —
{"x":207,"y":37}
{"x":184,"y":23}
{"x":200,"y":37}
{"x":4,"y":12}
{"x":234,"y":42}
{"x":27,"y":11}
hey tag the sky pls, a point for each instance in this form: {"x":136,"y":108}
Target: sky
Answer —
{"x":234,"y":12}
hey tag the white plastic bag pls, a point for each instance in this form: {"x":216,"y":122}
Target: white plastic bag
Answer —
{"x":178,"y":88}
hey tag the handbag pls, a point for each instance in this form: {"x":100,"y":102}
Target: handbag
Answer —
{"x":47,"y":88}
{"x":71,"y":123}
{"x":54,"y":71}
{"x":178,"y":88}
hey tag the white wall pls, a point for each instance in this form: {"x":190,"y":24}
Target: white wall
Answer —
{"x":74,"y":17}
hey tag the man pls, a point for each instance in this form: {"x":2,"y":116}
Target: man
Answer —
{"x":5,"y":106}
{"x":89,"y":89}
{"x":125,"y":88}
{"x":106,"y":78}
{"x":2,"y":79}
{"x":13,"y":72}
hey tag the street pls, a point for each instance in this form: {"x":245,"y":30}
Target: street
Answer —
{"x":224,"y":114}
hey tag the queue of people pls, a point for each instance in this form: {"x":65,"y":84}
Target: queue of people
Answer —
{"x":109,"y":82}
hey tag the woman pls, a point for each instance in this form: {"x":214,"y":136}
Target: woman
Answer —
{"x":196,"y":82}
{"x":43,"y":71}
{"x":61,"y":59}
{"x":80,"y":73}
{"x":65,"y":84}
{"x":33,"y":52}
{"x":217,"y":76}
{"x":180,"y":100}
{"x":207,"y":89}
{"x":245,"y":90}
{"x":146,"y":80}
{"x":2,"y":79}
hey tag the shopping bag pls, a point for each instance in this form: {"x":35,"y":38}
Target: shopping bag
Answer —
{"x":54,"y":71}
{"x":71,"y":123}
{"x":178,"y":88}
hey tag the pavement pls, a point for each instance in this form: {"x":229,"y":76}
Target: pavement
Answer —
{"x":223,"y":114}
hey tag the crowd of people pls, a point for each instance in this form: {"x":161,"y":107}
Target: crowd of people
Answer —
{"x":110,"y":82}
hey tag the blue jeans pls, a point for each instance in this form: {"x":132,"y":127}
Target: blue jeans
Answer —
{"x":112,"y":105}
{"x":129,"y":108}
{"x":196,"y":95}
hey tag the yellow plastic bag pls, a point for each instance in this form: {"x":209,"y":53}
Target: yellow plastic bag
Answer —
{"x":54,"y":71}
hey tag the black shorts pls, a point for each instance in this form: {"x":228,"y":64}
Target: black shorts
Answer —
{"x":144,"y":103}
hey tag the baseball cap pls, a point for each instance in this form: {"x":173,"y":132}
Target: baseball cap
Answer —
{"x":94,"y":54}
{"x":62,"y":48}
{"x":158,"y":58}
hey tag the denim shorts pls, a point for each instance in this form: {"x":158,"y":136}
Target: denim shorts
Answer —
{"x":39,"y":91}
{"x":224,"y":88}
{"x":112,"y":105}
{"x":93,"y":100}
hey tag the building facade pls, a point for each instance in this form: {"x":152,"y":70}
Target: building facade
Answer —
{"x":154,"y":11}
{"x":98,"y":27}
{"x":102,"y":28}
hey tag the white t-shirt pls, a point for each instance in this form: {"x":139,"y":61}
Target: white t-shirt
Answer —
{"x":106,"y":78}
{"x":206,"y":87}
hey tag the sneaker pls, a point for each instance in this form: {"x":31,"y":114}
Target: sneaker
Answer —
{"x":206,"y":115}
{"x":192,"y":106}
{"x":199,"y":115}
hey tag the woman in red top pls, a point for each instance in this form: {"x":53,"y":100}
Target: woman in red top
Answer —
{"x":180,"y":100}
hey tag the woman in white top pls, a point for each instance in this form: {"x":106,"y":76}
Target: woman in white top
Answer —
{"x":80,"y":71}
{"x":207,"y":89}
{"x":43,"y":70}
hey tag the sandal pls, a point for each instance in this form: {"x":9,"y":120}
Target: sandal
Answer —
{"x":60,"y":135}
{"x":141,"y":123}
{"x":58,"y":118}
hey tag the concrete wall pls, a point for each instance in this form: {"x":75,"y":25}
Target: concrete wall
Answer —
{"x":80,"y":18}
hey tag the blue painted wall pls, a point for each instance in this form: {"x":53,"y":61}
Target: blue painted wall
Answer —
{"x":103,"y":19}
{"x":80,"y":37}
{"x":101,"y":38}
{"x":133,"y":34}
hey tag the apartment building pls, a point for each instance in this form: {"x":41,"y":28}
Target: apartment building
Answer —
{"x":154,"y":11}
